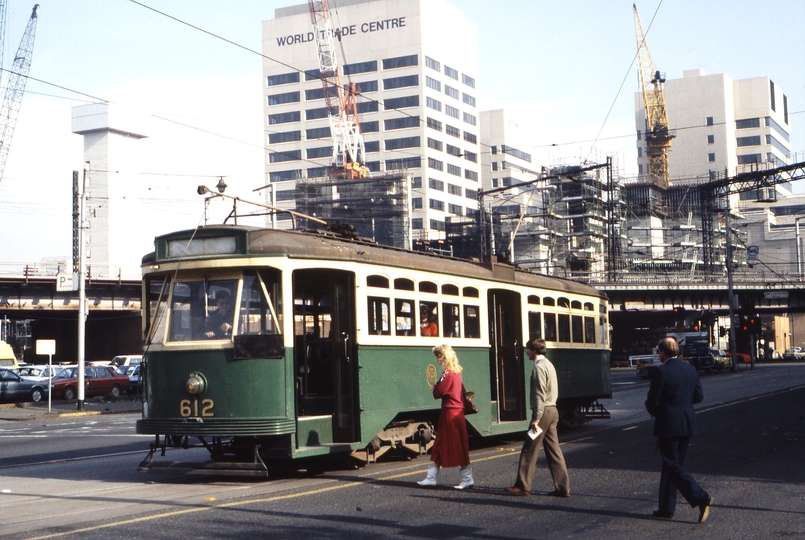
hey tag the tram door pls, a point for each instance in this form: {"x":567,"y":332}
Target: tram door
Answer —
{"x":506,"y":355}
{"x":324,"y":349}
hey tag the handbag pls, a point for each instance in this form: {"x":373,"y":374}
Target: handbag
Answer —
{"x":469,"y":401}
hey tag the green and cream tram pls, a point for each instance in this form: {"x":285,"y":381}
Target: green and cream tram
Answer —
{"x":266,"y":345}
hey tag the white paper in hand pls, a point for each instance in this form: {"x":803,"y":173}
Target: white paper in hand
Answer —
{"x":534,"y":434}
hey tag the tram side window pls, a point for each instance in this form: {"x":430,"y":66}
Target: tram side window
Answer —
{"x":451,"y":320}
{"x":564,"y":327}
{"x":550,"y":327}
{"x":534,"y":324}
{"x":156,"y":290}
{"x":603,"y":330}
{"x":589,"y":329}
{"x":260,"y":303}
{"x":404,"y":317}
{"x":428,"y":319}
{"x":472,"y":322}
{"x":379,"y":316}
{"x":578,"y":328}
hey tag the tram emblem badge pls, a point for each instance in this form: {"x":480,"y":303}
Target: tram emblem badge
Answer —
{"x":430,"y":375}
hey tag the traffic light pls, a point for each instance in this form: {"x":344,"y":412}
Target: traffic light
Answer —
{"x":754,"y":325}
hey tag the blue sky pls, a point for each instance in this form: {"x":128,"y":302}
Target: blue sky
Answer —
{"x":566,"y":68}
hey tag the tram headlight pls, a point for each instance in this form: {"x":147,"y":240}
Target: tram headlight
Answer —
{"x":196,"y":384}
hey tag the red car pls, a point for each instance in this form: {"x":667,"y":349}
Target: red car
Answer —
{"x":98,"y":381}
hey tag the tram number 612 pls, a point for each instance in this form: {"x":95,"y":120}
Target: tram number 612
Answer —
{"x":190,"y":408}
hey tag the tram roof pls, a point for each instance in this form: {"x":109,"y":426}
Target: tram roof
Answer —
{"x":324,"y":245}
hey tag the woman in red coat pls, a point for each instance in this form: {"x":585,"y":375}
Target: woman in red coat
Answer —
{"x":451,"y":448}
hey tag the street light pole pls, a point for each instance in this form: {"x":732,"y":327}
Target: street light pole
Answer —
{"x":82,"y":293}
{"x":730,"y":294}
{"x":799,"y":248}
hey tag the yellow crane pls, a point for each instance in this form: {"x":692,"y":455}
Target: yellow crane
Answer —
{"x":658,"y":136}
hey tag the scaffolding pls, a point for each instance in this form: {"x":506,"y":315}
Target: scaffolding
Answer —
{"x":377,"y":207}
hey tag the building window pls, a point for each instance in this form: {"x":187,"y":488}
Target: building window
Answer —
{"x":711,"y":139}
{"x":283,"y":78}
{"x":321,"y":151}
{"x":639,"y":151}
{"x":746,"y":123}
{"x":711,"y":157}
{"x":471,"y":156}
{"x":367,"y":86}
{"x":453,"y":150}
{"x":436,"y":204}
{"x":435,"y":224}
{"x":470,"y":175}
{"x":470,"y":138}
{"x":452,"y":169}
{"x":516,"y":153}
{"x":435,"y":164}
{"x":285,"y":136}
{"x":401,"y":103}
{"x":371,"y":146}
{"x":471,"y":194}
{"x":290,"y":155}
{"x":468,"y":99}
{"x":451,"y":92}
{"x":433,"y":64}
{"x":416,"y":203}
{"x":280,"y":176}
{"x":400,"y":61}
{"x":639,"y":134}
{"x":279,"y":99}
{"x":405,"y":163}
{"x":455,"y":209}
{"x":416,"y":223}
{"x":315,"y":114}
{"x":360,"y":67}
{"x":318,"y":93}
{"x":469,"y":119}
{"x":416,"y":182}
{"x":434,"y":124}
{"x":453,"y":189}
{"x":433,"y":104}
{"x":317,"y":133}
{"x":367,"y":107}
{"x":709,"y":120}
{"x":285,"y":195}
{"x":438,"y":185}
{"x":404,"y":142}
{"x":401,"y":123}
{"x":284,"y":118}
{"x":469,"y":81}
{"x":749,"y":158}
{"x":313,"y":74}
{"x":452,"y":131}
{"x":494,"y":165}
{"x":451,"y":111}
{"x":771,"y":92}
{"x":317,"y":172}
{"x":450,"y":72}
{"x":433,"y":84}
{"x":400,"y":82}
{"x":370,"y":127}
{"x":436,"y":145}
{"x":494,"y":150}
{"x":748,"y":141}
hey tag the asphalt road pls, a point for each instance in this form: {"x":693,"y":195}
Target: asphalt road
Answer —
{"x":749,"y":457}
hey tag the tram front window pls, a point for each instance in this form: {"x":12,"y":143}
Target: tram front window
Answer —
{"x":202,"y":309}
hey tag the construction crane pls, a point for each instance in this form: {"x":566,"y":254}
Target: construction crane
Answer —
{"x":348,"y":147}
{"x":18,"y":76}
{"x":658,"y":136}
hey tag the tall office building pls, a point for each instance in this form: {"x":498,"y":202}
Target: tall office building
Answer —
{"x":416,"y":65}
{"x":720,"y":124}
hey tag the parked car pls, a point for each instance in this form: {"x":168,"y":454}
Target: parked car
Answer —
{"x":16,"y":388}
{"x":127,"y":360}
{"x":794,"y":354}
{"x":133,"y":373}
{"x":721,"y":359}
{"x":98,"y":381}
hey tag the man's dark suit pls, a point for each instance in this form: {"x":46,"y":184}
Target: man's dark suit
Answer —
{"x":675,"y":387}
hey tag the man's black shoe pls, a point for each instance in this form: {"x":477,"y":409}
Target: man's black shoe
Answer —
{"x":658,"y":514}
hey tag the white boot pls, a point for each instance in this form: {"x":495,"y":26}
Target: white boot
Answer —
{"x":430,"y":480}
{"x":465,"y":475}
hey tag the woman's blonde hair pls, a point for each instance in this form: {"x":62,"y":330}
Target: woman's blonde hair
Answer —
{"x":449,"y":358}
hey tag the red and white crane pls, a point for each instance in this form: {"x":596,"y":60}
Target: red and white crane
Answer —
{"x":348,"y":148}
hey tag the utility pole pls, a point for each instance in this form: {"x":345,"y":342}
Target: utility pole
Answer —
{"x":730,"y":295}
{"x":82,"y":293}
